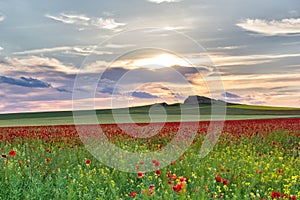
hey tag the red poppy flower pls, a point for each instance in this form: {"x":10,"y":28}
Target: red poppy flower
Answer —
{"x":225,"y":182}
{"x":12,"y":153}
{"x":218,"y":178}
{"x":169,"y":174}
{"x":177,"y":187}
{"x":88,"y":161}
{"x":174,"y":177}
{"x":151,"y":189}
{"x":173,"y":162}
{"x":140,"y":174}
{"x":133,"y":194}
{"x":158,"y":172}
{"x":293,"y":197}
{"x":156,"y":164}
{"x":48,"y":159}
{"x":275,"y":195}
{"x":186,"y":178}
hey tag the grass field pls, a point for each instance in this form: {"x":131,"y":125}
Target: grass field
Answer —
{"x":140,"y":114}
{"x":108,"y":119}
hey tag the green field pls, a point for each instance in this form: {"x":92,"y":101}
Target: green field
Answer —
{"x":141,"y":114}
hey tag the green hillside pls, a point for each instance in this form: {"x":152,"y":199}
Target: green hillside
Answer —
{"x":141,"y":114}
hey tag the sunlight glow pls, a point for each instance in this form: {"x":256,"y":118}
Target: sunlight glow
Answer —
{"x":161,"y":61}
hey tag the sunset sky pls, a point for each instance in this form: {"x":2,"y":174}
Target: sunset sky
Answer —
{"x":254,"y":45}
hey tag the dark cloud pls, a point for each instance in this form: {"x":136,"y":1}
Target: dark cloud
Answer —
{"x":165,"y":88}
{"x":114,"y":73}
{"x":63,"y":90}
{"x":107,"y":86}
{"x":107,"y":90}
{"x":247,"y":99}
{"x":143,"y":95}
{"x":230,"y":95}
{"x":29,"y":83}
{"x":142,"y":75}
{"x":25,"y":82}
{"x":189,"y":70}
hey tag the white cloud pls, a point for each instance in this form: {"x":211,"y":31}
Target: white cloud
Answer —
{"x":162,"y":1}
{"x":108,"y":23}
{"x":33,"y":65}
{"x":230,"y":47}
{"x":2,"y":17}
{"x":1,"y":49}
{"x":84,"y":21}
{"x":288,"y":26}
{"x":221,"y":59}
{"x":70,"y":19}
{"x":118,"y":46}
{"x":43,"y":50}
{"x":175,"y":28}
{"x":74,"y":50}
{"x":36,"y":66}
{"x":227,"y":48}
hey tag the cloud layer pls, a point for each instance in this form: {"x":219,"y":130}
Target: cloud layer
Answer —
{"x":45,"y":44}
{"x":288,"y":26}
{"x":162,"y":1}
{"x":84,"y":21}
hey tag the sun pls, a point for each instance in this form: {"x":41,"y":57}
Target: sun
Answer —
{"x":160,"y":61}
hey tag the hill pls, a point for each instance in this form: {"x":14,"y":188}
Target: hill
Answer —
{"x":141,"y":113}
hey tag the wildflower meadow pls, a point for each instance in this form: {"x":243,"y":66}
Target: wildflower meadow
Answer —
{"x":253,"y":159}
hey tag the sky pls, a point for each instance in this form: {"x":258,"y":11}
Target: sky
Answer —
{"x":138,"y":52}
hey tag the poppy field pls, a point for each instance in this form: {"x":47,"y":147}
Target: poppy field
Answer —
{"x":253,"y":159}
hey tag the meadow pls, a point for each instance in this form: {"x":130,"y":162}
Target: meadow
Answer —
{"x":253,"y":159}
{"x":140,"y":114}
